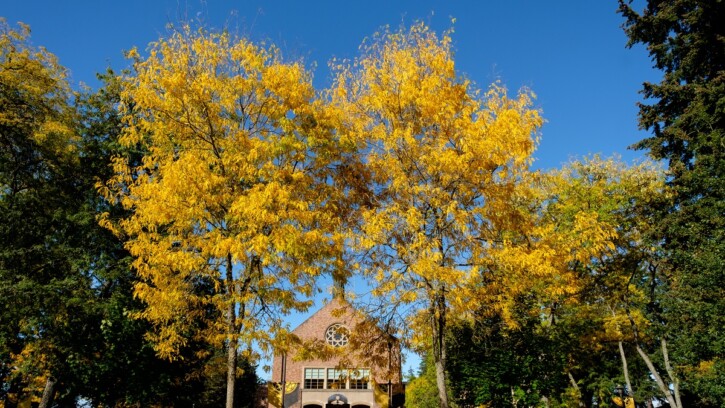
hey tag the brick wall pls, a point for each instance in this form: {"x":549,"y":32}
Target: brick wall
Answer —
{"x":368,"y":347}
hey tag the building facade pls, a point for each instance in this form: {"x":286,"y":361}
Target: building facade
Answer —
{"x":340,"y":360}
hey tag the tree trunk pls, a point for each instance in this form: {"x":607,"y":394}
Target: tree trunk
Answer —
{"x":625,"y":370}
{"x":655,"y":374}
{"x":671,"y":373}
{"x":438,"y":315}
{"x":48,"y":393}
{"x":661,"y":384}
{"x":231,"y":370}
{"x":576,"y":387}
{"x":232,"y":341}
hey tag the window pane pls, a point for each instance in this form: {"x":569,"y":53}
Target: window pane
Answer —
{"x":359,"y":379}
{"x":314,"y":378}
{"x":336,"y":379}
{"x":360,"y":373}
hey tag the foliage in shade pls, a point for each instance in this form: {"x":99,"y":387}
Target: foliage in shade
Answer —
{"x":66,"y":282}
{"x":685,"y":113}
{"x":226,"y":185}
{"x":42,"y":220}
{"x":491,"y":364}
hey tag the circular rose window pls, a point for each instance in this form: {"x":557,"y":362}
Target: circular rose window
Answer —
{"x":336,"y":335}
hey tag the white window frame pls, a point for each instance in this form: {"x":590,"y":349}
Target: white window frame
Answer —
{"x":332,"y":375}
{"x":317,"y":374}
{"x":359,"y":374}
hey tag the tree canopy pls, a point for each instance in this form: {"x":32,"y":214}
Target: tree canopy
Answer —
{"x":156,"y":232}
{"x":684,"y":112}
{"x":442,"y":159}
{"x":230,"y":191}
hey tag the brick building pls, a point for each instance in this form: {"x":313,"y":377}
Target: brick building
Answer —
{"x":341,"y":360}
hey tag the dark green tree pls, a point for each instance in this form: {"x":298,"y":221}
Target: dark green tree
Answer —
{"x":41,"y":228}
{"x":494,"y":365}
{"x":685,"y":112}
{"x":118,"y":365}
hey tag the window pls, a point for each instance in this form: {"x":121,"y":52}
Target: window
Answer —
{"x":314,"y":378}
{"x":336,"y":379}
{"x":359,"y":379}
{"x":337,"y":335}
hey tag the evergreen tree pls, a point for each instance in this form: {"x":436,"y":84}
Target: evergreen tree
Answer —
{"x":685,"y":112}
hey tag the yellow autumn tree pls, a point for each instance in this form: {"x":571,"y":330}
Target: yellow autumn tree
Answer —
{"x":586,"y":213}
{"x":558,"y":233}
{"x":608,"y":262}
{"x":443,"y":161}
{"x":578,"y":255}
{"x":227,"y":223}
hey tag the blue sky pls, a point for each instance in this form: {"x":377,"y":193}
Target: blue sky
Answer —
{"x":571,"y":53}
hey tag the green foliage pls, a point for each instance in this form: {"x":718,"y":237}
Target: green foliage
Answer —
{"x":601,"y":256}
{"x":70,"y":279}
{"x":122,"y":356}
{"x":43,"y":221}
{"x":563,"y":347}
{"x":421,"y":391}
{"x":213,"y":385}
{"x":687,"y":118}
{"x":119,"y":365}
{"x":611,"y":306}
{"x":493,"y":365}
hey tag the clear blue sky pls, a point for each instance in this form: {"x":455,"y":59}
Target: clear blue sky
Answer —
{"x":571,"y":53}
